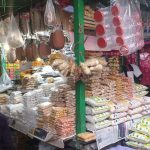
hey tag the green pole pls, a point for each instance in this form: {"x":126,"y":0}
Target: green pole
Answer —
{"x":79,"y":54}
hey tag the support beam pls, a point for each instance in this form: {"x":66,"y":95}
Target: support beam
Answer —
{"x":79,"y":54}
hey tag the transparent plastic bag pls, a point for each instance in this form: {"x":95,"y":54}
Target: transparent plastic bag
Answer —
{"x":128,"y":25}
{"x":14,"y":37}
{"x":2,"y":33}
{"x":4,"y":79}
{"x":49,"y":15}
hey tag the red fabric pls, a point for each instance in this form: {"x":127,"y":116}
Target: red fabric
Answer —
{"x":64,"y":3}
{"x":145,"y":68}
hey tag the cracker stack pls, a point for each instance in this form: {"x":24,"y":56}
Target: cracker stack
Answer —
{"x":58,"y":96}
{"x":28,"y":83}
{"x":44,"y":112}
{"x":16,"y":97}
{"x":3,"y":99}
{"x":65,"y":127}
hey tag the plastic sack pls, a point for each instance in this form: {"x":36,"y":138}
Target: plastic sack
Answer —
{"x":49,"y":15}
{"x":98,"y":126}
{"x":4,"y":79}
{"x":118,"y":115}
{"x":138,"y":137}
{"x":135,"y":111}
{"x":134,"y":144}
{"x":14,"y":37}
{"x":147,"y":146}
{"x":97,"y":118}
{"x":96,"y":101}
{"x":119,"y":121}
{"x":2,"y":32}
{"x":141,"y":129}
{"x":96,"y":110}
{"x":146,"y":121}
{"x":128,"y":25}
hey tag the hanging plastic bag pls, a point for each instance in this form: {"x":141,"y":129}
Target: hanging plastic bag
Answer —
{"x":4,"y":79}
{"x":14,"y":37}
{"x":128,"y":26}
{"x":49,"y":15}
{"x":57,"y":38}
{"x":2,"y":33}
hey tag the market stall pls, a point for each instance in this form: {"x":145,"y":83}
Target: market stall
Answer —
{"x":69,"y":71}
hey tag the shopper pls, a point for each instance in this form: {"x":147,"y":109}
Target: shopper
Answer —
{"x":5,"y":135}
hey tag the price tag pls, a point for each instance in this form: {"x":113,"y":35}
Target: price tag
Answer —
{"x":106,"y":136}
{"x":40,"y":133}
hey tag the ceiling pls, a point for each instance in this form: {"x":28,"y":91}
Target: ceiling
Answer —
{"x":7,"y":6}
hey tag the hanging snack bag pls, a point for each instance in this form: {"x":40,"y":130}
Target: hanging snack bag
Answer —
{"x":49,"y":15}
{"x":2,"y":33}
{"x":14,"y":37}
{"x":57,"y":39}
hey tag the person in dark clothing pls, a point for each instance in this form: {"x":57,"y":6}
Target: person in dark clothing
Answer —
{"x":5,"y":134}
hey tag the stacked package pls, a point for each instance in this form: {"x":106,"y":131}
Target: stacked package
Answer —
{"x":140,"y":90}
{"x":119,"y":112}
{"x":29,"y":99}
{"x":71,"y":81}
{"x":114,"y":65}
{"x":16,"y":97}
{"x":43,"y":115}
{"x":14,"y":110}
{"x":65,"y":127}
{"x":58,"y":95}
{"x":135,"y":108}
{"x":97,"y":113}
{"x":140,"y":137}
{"x":4,"y":99}
{"x":124,"y":87}
{"x":146,"y":105}
{"x":99,"y":85}
{"x":71,"y":104}
{"x":28,"y":83}
{"x":47,"y":88}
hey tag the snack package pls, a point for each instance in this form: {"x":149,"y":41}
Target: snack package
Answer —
{"x":135,"y":111}
{"x":98,"y":125}
{"x":141,"y":129}
{"x":14,"y":37}
{"x":118,"y":115}
{"x":134,"y":144}
{"x":96,"y":110}
{"x":96,"y":101}
{"x":145,"y":121}
{"x":138,"y":137}
{"x":97,"y":118}
{"x":2,"y":32}
{"x":49,"y":15}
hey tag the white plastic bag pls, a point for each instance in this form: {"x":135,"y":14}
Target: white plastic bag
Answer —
{"x":2,"y":33}
{"x":49,"y":15}
{"x":14,"y":37}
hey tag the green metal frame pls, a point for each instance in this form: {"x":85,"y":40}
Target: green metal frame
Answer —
{"x":79,"y":54}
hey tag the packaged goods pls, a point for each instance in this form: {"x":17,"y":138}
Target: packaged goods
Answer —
{"x":98,"y":125}
{"x":97,"y":118}
{"x":96,"y":101}
{"x":138,"y":137}
{"x":96,"y":110}
{"x":49,"y":15}
{"x":134,"y":144}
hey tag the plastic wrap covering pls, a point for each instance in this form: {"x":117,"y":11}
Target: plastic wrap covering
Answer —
{"x":14,"y":37}
{"x":2,"y":32}
{"x":49,"y":15}
{"x":119,"y":27}
{"x":128,"y":25}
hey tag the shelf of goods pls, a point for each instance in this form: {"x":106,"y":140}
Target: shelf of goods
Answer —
{"x":22,"y":127}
